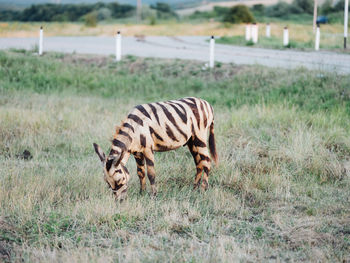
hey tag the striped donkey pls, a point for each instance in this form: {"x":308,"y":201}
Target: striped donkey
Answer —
{"x":158,"y":127}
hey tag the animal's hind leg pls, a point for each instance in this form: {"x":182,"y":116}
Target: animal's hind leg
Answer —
{"x":149,"y":157}
{"x":196,"y":158}
{"x":140,"y":162}
{"x":203,"y":160}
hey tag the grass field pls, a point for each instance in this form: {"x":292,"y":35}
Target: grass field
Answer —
{"x":280,"y":193}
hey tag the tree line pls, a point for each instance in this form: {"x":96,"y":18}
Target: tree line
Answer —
{"x":283,"y":10}
{"x":80,"y":12}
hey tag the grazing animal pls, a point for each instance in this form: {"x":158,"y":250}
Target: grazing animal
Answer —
{"x":160,"y":126}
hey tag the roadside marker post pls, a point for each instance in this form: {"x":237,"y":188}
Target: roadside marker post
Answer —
{"x":285,"y":36}
{"x":268,"y":30}
{"x":255,"y":33}
{"x":315,"y":16}
{"x":211,"y":52}
{"x":346,"y":13}
{"x":41,"y":36}
{"x":118,"y":47}
{"x":317,"y":41}
{"x":248,"y":32}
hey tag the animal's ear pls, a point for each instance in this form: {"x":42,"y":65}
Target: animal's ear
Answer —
{"x":99,"y":152}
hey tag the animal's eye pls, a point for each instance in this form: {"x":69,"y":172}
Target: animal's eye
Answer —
{"x":118,"y":171}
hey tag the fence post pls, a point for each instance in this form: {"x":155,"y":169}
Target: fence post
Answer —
{"x":212,"y":51}
{"x":346,"y":13}
{"x":118,"y":47}
{"x":285,"y":36}
{"x":248,"y":32}
{"x":317,"y":42}
{"x":255,"y":33}
{"x":41,"y":35}
{"x":268,"y":30}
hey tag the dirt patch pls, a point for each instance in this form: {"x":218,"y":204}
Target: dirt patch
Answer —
{"x":5,"y":246}
{"x":26,"y":155}
{"x":304,"y":232}
{"x":137,"y":66}
{"x":5,"y":252}
{"x":98,"y":61}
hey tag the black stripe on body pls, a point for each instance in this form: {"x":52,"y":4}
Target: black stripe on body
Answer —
{"x":162,"y":148}
{"x":143,"y":111}
{"x":204,"y":157}
{"x":143,"y":140}
{"x":109,"y":164}
{"x":155,"y":134}
{"x":127,"y":125}
{"x":119,"y":144}
{"x":204,"y":115}
{"x":181,"y":115}
{"x":149,"y":162}
{"x":154,"y":110}
{"x":125,"y":134}
{"x":198,"y":143}
{"x":114,"y":152}
{"x":206,"y":107}
{"x":135,"y":118}
{"x":170,"y":133}
{"x":139,"y":161}
{"x":172,"y":120}
{"x":194,"y":109}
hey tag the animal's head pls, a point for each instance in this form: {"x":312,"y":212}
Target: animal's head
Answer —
{"x":115,"y":174}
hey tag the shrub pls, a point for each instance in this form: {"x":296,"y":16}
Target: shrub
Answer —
{"x":282,"y":9}
{"x":164,"y":10}
{"x":339,"y":6}
{"x":327,"y":7}
{"x":258,"y":9}
{"x":104,"y":13}
{"x":220,"y":11}
{"x":305,"y":5}
{"x":239,"y":14}
{"x":91,"y":19}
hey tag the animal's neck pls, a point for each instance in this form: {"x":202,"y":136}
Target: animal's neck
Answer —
{"x":122,"y":140}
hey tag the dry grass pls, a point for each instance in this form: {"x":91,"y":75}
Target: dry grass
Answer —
{"x":279,"y":194}
{"x":298,"y":32}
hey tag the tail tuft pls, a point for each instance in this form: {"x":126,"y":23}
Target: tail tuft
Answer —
{"x":212,"y":146}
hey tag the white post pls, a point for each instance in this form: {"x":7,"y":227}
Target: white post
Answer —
{"x":255,"y":33}
{"x":317,"y":42}
{"x":346,"y":13}
{"x":211,"y":55}
{"x":268,"y":30}
{"x":41,"y":35}
{"x":248,"y":32}
{"x":285,"y":36}
{"x":118,"y":47}
{"x":315,"y":15}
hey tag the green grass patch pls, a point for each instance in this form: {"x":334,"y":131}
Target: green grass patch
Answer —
{"x":275,"y":43}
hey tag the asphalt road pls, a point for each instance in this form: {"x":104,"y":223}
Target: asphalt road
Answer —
{"x":196,"y":48}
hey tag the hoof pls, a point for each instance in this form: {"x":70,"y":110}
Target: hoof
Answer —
{"x":204,"y":186}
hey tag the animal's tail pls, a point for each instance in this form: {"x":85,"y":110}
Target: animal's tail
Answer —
{"x":212,"y":147}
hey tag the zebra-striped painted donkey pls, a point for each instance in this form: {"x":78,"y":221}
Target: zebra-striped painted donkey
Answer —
{"x":161,"y":126}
